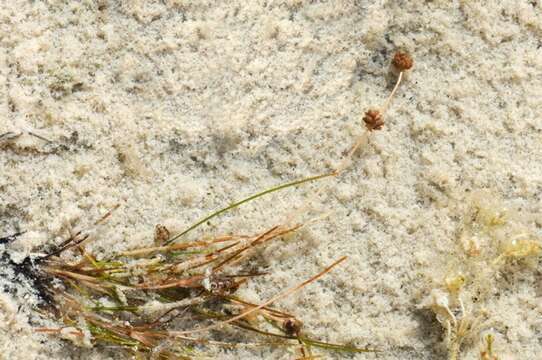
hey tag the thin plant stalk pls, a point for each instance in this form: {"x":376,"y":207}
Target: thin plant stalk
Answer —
{"x":250,"y":198}
{"x":279,"y":296}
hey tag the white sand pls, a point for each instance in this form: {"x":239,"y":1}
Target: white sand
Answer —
{"x":175,"y":108}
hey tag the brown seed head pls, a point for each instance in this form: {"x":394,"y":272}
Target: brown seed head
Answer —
{"x":161,"y":234}
{"x":402,"y":61}
{"x":223,"y":286}
{"x":373,"y":120}
{"x":292,"y":326}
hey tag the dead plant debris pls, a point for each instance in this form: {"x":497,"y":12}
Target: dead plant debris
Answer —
{"x":174,"y":300}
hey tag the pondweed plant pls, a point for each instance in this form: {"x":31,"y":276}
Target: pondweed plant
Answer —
{"x":492,"y":240}
{"x":487,"y":352}
{"x":174,"y":300}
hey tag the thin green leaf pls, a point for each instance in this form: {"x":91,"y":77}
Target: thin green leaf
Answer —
{"x":250,"y":198}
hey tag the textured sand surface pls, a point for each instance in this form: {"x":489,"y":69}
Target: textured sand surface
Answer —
{"x":175,"y":108}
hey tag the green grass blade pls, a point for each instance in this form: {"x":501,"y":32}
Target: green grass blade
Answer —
{"x":250,"y":198}
{"x":334,"y":347}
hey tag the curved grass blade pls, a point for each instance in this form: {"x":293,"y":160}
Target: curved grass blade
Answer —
{"x":250,"y":198}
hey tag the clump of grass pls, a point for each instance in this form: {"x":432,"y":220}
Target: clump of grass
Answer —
{"x":176,"y":299}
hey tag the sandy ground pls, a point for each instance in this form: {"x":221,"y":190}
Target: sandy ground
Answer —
{"x":175,"y":108}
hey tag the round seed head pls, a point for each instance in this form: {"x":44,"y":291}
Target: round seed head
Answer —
{"x":223,"y":286}
{"x":161,"y":234}
{"x":292,"y":326}
{"x":373,"y":120}
{"x":402,"y":61}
